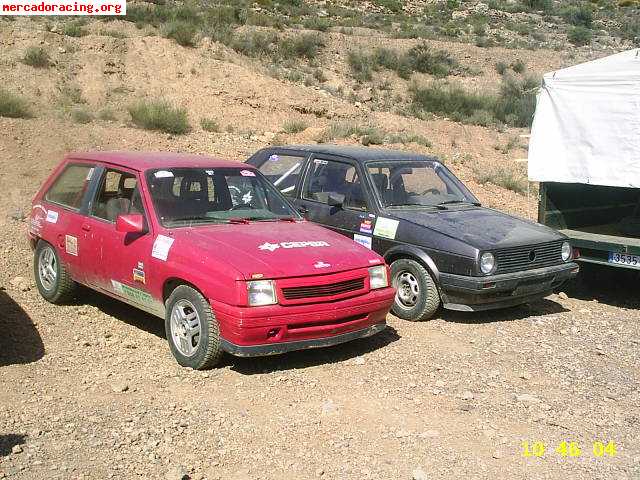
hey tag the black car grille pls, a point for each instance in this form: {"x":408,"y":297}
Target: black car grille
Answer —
{"x":314,"y":291}
{"x":526,"y":258}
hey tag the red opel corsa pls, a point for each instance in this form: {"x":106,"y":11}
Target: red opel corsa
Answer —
{"x":210,"y":246}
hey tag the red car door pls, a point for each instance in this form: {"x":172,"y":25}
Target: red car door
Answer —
{"x":120,"y":261}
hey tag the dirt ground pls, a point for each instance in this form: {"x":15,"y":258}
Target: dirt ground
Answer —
{"x":90,"y":390}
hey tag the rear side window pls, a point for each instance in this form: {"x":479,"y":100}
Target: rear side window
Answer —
{"x":69,"y":188}
{"x":283,"y":171}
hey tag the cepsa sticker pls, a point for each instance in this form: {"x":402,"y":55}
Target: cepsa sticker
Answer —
{"x":274,"y":246}
{"x":247,"y":173}
{"x":163,"y":174}
{"x":161,"y":247}
{"x":71,"y":245}
{"x":52,"y":216}
{"x":274,"y":158}
{"x":386,"y":228}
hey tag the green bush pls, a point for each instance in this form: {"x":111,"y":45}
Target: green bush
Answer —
{"x":423,"y":59}
{"x":450,"y":100}
{"x":361,"y":65}
{"x":255,"y":43}
{"x":321,"y":24}
{"x":107,"y":114}
{"x":294,"y":126}
{"x":159,"y":115}
{"x":13,"y":106}
{"x":578,"y":15}
{"x":74,"y":29}
{"x":502,"y":177}
{"x":544,"y":5}
{"x":209,"y":125}
{"x":580,"y":35}
{"x":518,"y":66}
{"x":516,"y":102}
{"x":340,"y":130}
{"x":306,"y":46}
{"x":37,"y":57}
{"x":81,"y":115}
{"x":182,"y":32}
{"x":394,"y":6}
{"x":501,"y":67}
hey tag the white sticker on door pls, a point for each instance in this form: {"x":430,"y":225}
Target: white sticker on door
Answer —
{"x":386,"y":228}
{"x":71,"y":245}
{"x":161,"y":247}
{"x":362,"y":240}
{"x":52,"y":216}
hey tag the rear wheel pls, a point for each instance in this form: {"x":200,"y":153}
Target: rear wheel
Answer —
{"x":417,"y":296}
{"x":192,"y":329}
{"x":52,"y":278}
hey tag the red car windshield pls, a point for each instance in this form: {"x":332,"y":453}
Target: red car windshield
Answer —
{"x":187,"y":196}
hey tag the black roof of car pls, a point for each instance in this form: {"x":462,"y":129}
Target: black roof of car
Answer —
{"x":360,"y":154}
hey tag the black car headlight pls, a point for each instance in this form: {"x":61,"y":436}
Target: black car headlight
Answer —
{"x":487,"y":263}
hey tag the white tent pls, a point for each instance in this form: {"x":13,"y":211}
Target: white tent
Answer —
{"x":587,"y":124}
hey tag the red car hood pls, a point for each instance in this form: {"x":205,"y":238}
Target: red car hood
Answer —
{"x":278,"y":249}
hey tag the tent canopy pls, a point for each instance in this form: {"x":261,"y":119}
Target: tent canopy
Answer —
{"x":587,"y":124}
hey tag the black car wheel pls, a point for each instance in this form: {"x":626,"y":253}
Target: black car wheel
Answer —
{"x":417,"y":296}
{"x":192,"y":329}
{"x":52,"y":278}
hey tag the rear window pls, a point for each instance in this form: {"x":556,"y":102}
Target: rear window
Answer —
{"x":69,"y":188}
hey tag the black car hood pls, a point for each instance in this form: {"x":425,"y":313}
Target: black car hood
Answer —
{"x":482,"y":228}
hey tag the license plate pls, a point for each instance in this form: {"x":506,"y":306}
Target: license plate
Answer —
{"x":624,"y":259}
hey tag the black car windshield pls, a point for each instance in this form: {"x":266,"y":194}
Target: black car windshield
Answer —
{"x":187,"y":196}
{"x":417,"y":183}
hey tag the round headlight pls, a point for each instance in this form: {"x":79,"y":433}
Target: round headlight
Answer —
{"x":566,"y":251}
{"x":487,"y":263}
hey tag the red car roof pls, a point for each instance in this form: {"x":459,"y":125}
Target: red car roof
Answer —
{"x":147,"y":160}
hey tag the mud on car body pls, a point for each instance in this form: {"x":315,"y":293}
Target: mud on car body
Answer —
{"x":444,"y":248}
{"x":209,"y":245}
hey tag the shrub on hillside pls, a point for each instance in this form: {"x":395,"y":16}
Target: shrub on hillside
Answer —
{"x":13,"y":106}
{"x":516,"y":102}
{"x":580,"y":35}
{"x":81,"y":115}
{"x":159,"y":115}
{"x":255,"y":43}
{"x":74,"y":29}
{"x":502,"y":177}
{"x":36,"y":57}
{"x":209,"y":125}
{"x":301,"y":46}
{"x":182,"y":32}
{"x":294,"y":126}
{"x":361,"y":65}
{"x":578,"y":15}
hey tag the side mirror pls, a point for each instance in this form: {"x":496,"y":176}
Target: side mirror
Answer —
{"x":132,"y":223}
{"x":335,"y":199}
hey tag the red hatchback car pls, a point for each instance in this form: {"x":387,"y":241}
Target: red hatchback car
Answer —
{"x":210,"y":246}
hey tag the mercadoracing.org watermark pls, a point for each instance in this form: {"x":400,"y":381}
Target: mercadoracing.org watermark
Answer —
{"x":63,"y":7}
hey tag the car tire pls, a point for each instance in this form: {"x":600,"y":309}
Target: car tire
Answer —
{"x":417,"y":296}
{"x":188,"y":315}
{"x":52,"y":278}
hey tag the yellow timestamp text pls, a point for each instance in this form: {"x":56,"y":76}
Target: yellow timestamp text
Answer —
{"x":569,"y":449}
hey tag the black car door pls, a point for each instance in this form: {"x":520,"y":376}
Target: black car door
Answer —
{"x":326,"y":177}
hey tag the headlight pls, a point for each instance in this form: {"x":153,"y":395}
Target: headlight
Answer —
{"x":378,"y":277}
{"x":566,"y":251}
{"x":487,"y":263}
{"x":261,"y":292}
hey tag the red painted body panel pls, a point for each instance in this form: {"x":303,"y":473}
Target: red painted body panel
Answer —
{"x":217,"y":260}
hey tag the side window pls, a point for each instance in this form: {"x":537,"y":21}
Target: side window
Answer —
{"x":327,"y":176}
{"x":118,"y":195}
{"x":69,"y":188}
{"x":283,"y":171}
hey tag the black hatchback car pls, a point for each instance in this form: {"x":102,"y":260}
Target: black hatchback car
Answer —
{"x":444,"y":248}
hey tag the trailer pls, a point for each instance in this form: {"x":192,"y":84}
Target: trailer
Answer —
{"x":585,"y":153}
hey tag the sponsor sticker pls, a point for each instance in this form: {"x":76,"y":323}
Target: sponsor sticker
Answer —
{"x":90,"y":174}
{"x":131,"y":293}
{"x":138,"y":276}
{"x":161,"y":247}
{"x":71,"y":245}
{"x":52,"y":216}
{"x":274,"y":158}
{"x":163,"y":174}
{"x":362,"y":240}
{"x":209,"y":172}
{"x":317,"y":161}
{"x":274,"y":246}
{"x":247,"y":173}
{"x":366,"y":226}
{"x":386,"y":228}
{"x":321,"y":264}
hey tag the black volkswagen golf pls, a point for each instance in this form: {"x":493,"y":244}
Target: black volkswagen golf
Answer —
{"x":444,"y":248}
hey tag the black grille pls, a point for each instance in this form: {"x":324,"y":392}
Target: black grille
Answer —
{"x":295,"y":293}
{"x":526,"y":258}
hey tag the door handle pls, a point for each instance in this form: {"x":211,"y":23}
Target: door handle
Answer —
{"x":86,"y":227}
{"x":303,"y":210}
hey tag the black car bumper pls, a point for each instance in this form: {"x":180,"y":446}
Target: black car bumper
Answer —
{"x":276,"y":348}
{"x":470,"y":294}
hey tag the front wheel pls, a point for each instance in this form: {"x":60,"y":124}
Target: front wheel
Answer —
{"x":417,"y":296}
{"x":192,"y":329}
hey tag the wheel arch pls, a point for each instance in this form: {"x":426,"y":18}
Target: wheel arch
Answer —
{"x":413,"y":253}
{"x":170,"y":284}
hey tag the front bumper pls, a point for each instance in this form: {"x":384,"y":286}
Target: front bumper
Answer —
{"x":272,"y":329}
{"x":470,"y":294}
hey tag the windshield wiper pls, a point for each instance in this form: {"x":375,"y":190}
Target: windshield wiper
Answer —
{"x":453,"y":202}
{"x":414,"y":205}
{"x":194,"y":219}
